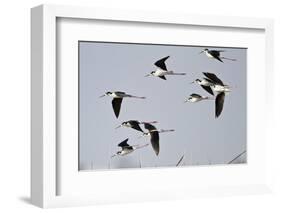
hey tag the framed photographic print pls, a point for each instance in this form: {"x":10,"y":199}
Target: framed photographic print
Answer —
{"x":167,"y":101}
{"x":196,"y":139}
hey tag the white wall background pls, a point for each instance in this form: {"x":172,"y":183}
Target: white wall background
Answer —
{"x":15,"y":98}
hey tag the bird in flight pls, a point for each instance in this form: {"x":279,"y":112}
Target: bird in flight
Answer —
{"x":154,"y":136}
{"x":117,"y":100}
{"x":221,"y":89}
{"x":206,"y":84}
{"x":215,"y":54}
{"x":161,"y":70}
{"x":126,"y":148}
{"x":193,"y":98}
{"x":134,"y":124}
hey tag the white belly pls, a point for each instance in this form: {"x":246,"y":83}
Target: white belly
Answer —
{"x":126,"y":152}
{"x":193,"y":100}
{"x":219,"y":88}
{"x":209,"y":55}
{"x":160,"y":72}
{"x":113,"y":95}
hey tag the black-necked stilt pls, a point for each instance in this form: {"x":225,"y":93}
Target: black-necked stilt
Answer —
{"x":161,"y":70}
{"x":154,"y":136}
{"x":134,"y":124}
{"x":215,"y":54}
{"x":126,"y":148}
{"x":196,"y":98}
{"x":221,"y":89}
{"x":117,"y":100}
{"x":206,"y":84}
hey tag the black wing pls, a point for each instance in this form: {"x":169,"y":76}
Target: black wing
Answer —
{"x":116,"y":104}
{"x":149,"y":127}
{"x":195,"y":95}
{"x":208,"y":89}
{"x":154,"y":137}
{"x":161,"y":63}
{"x":209,"y":80}
{"x":162,"y":77}
{"x":124,"y":143}
{"x":214,"y":78}
{"x":135,"y":125}
{"x":216,"y":54}
{"x":119,"y":92}
{"x":155,"y":141}
{"x":219,"y":103}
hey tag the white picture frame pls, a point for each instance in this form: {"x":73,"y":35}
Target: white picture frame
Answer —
{"x":44,"y":149}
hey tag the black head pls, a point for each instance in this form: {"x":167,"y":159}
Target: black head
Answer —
{"x":198,"y":80}
{"x":118,"y":152}
{"x":152,"y":72}
{"x":204,"y":51}
{"x":124,"y":123}
{"x":108,"y":93}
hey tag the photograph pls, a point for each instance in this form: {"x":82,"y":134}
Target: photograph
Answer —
{"x":143,"y":105}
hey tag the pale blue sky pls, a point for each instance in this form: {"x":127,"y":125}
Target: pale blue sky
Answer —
{"x":121,"y":67}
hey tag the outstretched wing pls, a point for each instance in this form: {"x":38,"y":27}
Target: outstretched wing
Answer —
{"x":208,"y":89}
{"x":162,"y":77}
{"x":219,"y":103}
{"x":216,"y":54}
{"x":135,"y":125}
{"x":119,"y":93}
{"x":154,"y":137}
{"x":116,"y":104}
{"x":124,"y":143}
{"x":214,"y":78}
{"x":195,"y":95}
{"x":209,"y":80}
{"x":149,"y":127}
{"x":161,"y":63}
{"x":155,"y":141}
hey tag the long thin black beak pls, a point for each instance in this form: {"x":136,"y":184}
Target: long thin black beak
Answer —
{"x":102,"y":96}
{"x":201,"y":52}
